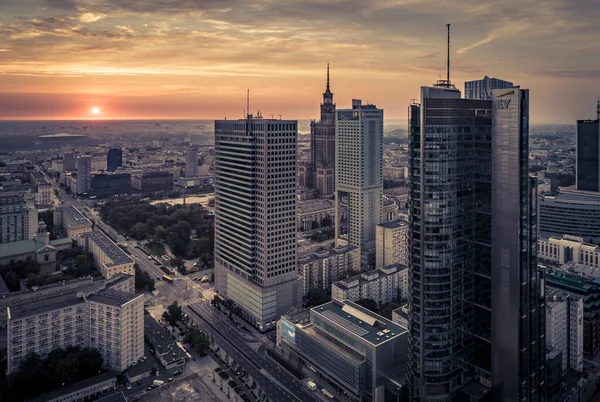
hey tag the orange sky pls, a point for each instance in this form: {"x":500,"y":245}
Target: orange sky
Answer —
{"x":195,"y":58}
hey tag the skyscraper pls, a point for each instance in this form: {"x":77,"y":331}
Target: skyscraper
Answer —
{"x":588,"y":155}
{"x":255,"y":217}
{"x":322,"y":143}
{"x":114,"y":159}
{"x":18,"y":217}
{"x":359,"y":169}
{"x":191,"y":163}
{"x":482,"y":89}
{"x":84,"y":174}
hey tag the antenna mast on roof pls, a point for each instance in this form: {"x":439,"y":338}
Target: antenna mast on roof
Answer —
{"x":247,"y":103}
{"x":448,"y":62}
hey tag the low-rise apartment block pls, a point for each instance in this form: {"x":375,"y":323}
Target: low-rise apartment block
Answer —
{"x":319,"y":270}
{"x":109,"y":258}
{"x":381,"y":285}
{"x":71,"y":221}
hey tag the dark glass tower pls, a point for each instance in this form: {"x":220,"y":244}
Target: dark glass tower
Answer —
{"x":588,"y":155}
{"x":114,"y":159}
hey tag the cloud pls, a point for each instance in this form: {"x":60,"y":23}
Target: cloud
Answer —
{"x":125,"y":29}
{"x":90,"y":17}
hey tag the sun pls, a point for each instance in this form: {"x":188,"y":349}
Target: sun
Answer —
{"x":96,"y":111}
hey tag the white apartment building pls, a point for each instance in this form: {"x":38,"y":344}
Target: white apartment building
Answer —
{"x":391,"y":243}
{"x":564,"y":327}
{"x":568,"y":249}
{"x":18,"y":217}
{"x":359,"y":169}
{"x":71,"y":221}
{"x":382,"y":285}
{"x":84,"y":174}
{"x":255,"y":217}
{"x":109,"y":257}
{"x":116,"y":327}
{"x":320,"y":269}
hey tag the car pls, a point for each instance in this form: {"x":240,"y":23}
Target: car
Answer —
{"x":170,"y":379}
{"x":149,"y":257}
{"x":177,"y":372}
{"x":128,"y":386}
{"x":149,"y":389}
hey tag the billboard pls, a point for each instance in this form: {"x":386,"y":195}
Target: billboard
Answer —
{"x":288,"y":330}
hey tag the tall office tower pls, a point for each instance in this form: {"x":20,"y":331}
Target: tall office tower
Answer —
{"x":518,"y":302}
{"x":191,"y":163}
{"x":114,"y":159}
{"x":18,"y":217}
{"x":359,"y":169}
{"x":255,"y":217}
{"x":588,"y":155}
{"x":69,"y":161}
{"x":322,"y":142}
{"x":84,"y":174}
{"x":482,"y":89}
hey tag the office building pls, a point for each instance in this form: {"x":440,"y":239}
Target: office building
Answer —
{"x":18,"y":217}
{"x":322,"y":145}
{"x":191,"y":163}
{"x":106,"y":185}
{"x":390,"y":210}
{"x":71,"y":221}
{"x":391,"y":243}
{"x":359,"y":169}
{"x":315,"y":213}
{"x":116,"y":327}
{"x":482,"y":89}
{"x":70,"y":161}
{"x":114,"y":159}
{"x":109,"y":258}
{"x":571,"y":212}
{"x":84,"y":174}
{"x":568,"y":249}
{"x":152,"y":181}
{"x":320,"y":269}
{"x":351,"y":348}
{"x":588,"y":155}
{"x":564,"y":327}
{"x":381,"y":285}
{"x":99,"y":163}
{"x":468,"y":168}
{"x":305,"y":175}
{"x":255,"y":217}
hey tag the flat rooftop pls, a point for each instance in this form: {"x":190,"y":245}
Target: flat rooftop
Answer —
{"x":161,"y":341}
{"x":37,"y":307}
{"x":113,"y":297}
{"x":112,"y":251}
{"x":76,"y":386}
{"x":319,"y":255}
{"x":75,"y":215}
{"x":369,"y":276}
{"x":359,"y":321}
{"x":394,"y":224}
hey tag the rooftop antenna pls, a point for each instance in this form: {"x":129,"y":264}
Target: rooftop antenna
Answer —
{"x":328,"y":76}
{"x":247,"y":102}
{"x":448,"y":62}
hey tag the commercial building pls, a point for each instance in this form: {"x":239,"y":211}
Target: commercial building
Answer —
{"x":564,"y":327}
{"x":152,"y":181}
{"x":114,"y":159}
{"x":568,"y":249}
{"x":88,"y":389}
{"x":381,"y":285}
{"x":391,"y":243}
{"x":18,"y":217}
{"x":320,"y":269}
{"x":108,"y":257}
{"x":70,"y":161}
{"x":482,"y":89}
{"x":359,"y":164}
{"x":571,"y":212}
{"x":325,"y":181}
{"x":168,"y":352}
{"x":191,"y":163}
{"x":588,"y":155}
{"x":349,"y":347}
{"x":71,"y":221}
{"x":84,"y":174}
{"x":315,"y":213}
{"x":106,"y":185}
{"x":255,"y":217}
{"x":116,"y":327}
{"x":390,"y":210}
{"x":305,"y":175}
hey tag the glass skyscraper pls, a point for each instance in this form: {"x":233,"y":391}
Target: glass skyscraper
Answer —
{"x":482,"y":89}
{"x":588,"y":155}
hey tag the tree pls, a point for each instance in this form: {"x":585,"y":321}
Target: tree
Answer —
{"x":369,"y":304}
{"x":143,"y":281}
{"x":204,"y":245}
{"x":316,"y":297}
{"x":12,"y":281}
{"x":140,"y":231}
{"x":173,"y":314}
{"x":159,"y":233}
{"x":197,"y":340}
{"x":82,"y":263}
{"x":326,"y":221}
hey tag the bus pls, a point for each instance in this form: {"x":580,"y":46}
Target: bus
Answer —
{"x":327,"y":393}
{"x":167,"y":278}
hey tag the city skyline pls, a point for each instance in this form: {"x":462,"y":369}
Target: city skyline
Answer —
{"x":195,"y":59}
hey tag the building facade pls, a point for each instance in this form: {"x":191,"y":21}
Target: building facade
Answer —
{"x":325,"y":181}
{"x":588,"y":155}
{"x":114,"y":159}
{"x":359,"y":170}
{"x":106,"y":185}
{"x":191,"y":163}
{"x":564,"y":327}
{"x":482,"y":89}
{"x":255,"y":217}
{"x":381,"y":285}
{"x":71,"y":221}
{"x":568,"y":249}
{"x":18,"y":217}
{"x":84,"y":174}
{"x":109,"y":258}
{"x":391,"y":243}
{"x":152,"y":181}
{"x":320,"y":269}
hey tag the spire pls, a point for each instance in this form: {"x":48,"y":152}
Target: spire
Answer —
{"x":328,"y":76}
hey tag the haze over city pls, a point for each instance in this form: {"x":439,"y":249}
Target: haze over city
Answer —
{"x":195,"y":59}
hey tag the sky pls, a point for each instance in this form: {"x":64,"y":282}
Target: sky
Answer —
{"x":194,"y":59}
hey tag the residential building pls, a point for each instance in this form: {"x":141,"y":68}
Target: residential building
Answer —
{"x":98,"y":163}
{"x":568,"y":249}
{"x":191,"y":163}
{"x":114,"y":159}
{"x":109,"y":258}
{"x":255,"y":217}
{"x":70,"y":161}
{"x":168,"y":352}
{"x":106,"y":185}
{"x":391,"y":243}
{"x":18,"y":217}
{"x":351,"y":348}
{"x":88,"y":389}
{"x":588,"y":155}
{"x":71,"y":221}
{"x":359,"y":164}
{"x":116,"y":327}
{"x":152,"y":181}
{"x":322,"y":268}
{"x":381,"y":285}
{"x":305,"y":174}
{"x":482,"y":89}
{"x":322,"y":146}
{"x":564,"y":327}
{"x":554,"y":375}
{"x":84,"y":174}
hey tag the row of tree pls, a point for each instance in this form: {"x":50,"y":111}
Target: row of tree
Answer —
{"x":143,"y":281}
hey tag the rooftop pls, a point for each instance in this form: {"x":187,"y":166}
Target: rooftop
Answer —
{"x":369,"y":276}
{"x":22,"y":247}
{"x":361,"y":322}
{"x":161,"y":341}
{"x":394,"y":224}
{"x":113,"y":297}
{"x":74,"y":214}
{"x":319,"y":255}
{"x":37,"y":307}
{"x":112,"y":251}
{"x":314,"y":205}
{"x":76,"y":386}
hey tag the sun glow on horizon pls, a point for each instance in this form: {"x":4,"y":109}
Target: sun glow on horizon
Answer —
{"x":96,"y":111}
